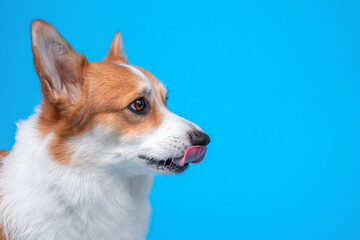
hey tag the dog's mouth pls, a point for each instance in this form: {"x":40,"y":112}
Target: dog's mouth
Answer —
{"x":167,"y":164}
{"x":194,"y":154}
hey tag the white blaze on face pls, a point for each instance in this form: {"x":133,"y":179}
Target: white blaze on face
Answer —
{"x":146,"y":82}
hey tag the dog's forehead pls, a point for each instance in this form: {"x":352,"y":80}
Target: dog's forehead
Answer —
{"x":111,"y":77}
{"x":142,"y":80}
{"x":160,"y":90}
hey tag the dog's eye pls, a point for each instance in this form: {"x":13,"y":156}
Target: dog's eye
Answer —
{"x":138,"y":106}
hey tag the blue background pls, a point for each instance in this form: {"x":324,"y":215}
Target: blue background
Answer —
{"x":274,"y":83}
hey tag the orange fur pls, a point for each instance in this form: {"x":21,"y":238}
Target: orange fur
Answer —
{"x":3,"y":154}
{"x":2,"y":235}
{"x":161,"y":91}
{"x":90,"y":94}
{"x":78,"y":96}
{"x":115,"y":54}
{"x":106,"y":91}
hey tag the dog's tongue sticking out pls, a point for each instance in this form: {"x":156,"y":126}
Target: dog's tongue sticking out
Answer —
{"x":194,"y":154}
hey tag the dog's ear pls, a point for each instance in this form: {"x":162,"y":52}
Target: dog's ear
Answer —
{"x":116,"y":52}
{"x":58,"y":65}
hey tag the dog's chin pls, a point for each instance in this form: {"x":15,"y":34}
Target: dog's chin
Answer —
{"x":164,"y":167}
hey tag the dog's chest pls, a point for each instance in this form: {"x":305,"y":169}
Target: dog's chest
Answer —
{"x":71,"y":209}
{"x":100,"y":221}
{"x":60,"y":217}
{"x":44,"y":200}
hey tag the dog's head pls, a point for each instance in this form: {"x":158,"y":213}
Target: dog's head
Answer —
{"x":109,"y":114}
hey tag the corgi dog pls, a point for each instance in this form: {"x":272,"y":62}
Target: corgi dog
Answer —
{"x":82,"y":166}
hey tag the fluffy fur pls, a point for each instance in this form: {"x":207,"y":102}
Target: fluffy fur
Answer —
{"x":83,"y":164}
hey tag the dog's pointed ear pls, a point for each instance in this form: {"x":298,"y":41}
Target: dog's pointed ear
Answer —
{"x":58,"y":65}
{"x":116,"y":52}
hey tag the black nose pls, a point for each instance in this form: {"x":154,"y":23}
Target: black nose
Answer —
{"x":199,"y":138}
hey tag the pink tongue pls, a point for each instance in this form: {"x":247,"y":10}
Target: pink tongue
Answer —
{"x":194,"y":154}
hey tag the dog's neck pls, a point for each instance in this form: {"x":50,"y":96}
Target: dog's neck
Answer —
{"x":42,"y":197}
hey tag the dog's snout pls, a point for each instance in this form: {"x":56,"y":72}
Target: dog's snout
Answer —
{"x":199,"y":138}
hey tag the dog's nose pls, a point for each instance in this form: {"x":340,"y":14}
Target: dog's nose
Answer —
{"x":199,"y":138}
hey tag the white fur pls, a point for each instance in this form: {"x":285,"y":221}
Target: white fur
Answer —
{"x":135,"y":71}
{"x":102,"y":194}
{"x":44,"y":199}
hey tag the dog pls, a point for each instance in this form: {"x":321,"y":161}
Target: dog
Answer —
{"x":82,"y":166}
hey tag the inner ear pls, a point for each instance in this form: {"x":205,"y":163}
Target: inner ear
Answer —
{"x":116,"y":52}
{"x":58,"y":65}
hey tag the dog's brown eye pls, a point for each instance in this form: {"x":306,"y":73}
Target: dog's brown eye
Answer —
{"x":138,"y":106}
